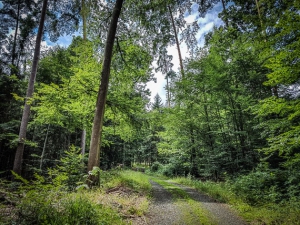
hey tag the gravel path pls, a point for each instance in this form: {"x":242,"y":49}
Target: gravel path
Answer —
{"x":221,"y":212}
{"x":163,"y":211}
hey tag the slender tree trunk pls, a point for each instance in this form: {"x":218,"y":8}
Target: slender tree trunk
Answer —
{"x":168,"y":93}
{"x":44,"y":147}
{"x":83,"y":140}
{"x":124,"y":150}
{"x":84,"y":15}
{"x":94,"y":155}
{"x":26,"y":111}
{"x":13,"y":69}
{"x":84,"y":34}
{"x":177,"y":43}
{"x":259,"y":15}
{"x":225,"y":11}
{"x":168,"y":88}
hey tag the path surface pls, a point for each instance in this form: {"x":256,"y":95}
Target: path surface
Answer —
{"x":220,"y":211}
{"x":163,"y":210}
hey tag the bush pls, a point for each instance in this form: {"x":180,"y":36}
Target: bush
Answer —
{"x":46,"y":208}
{"x":257,"y":187}
{"x":176,"y":169}
{"x":156,"y":166}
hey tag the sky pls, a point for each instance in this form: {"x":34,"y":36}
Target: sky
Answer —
{"x":206,"y":24}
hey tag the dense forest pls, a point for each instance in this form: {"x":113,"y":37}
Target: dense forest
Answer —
{"x":232,"y":110}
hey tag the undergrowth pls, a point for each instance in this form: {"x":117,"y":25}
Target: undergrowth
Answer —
{"x":135,"y":180}
{"x":121,"y":199}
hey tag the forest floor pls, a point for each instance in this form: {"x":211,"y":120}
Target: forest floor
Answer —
{"x":177,"y":204}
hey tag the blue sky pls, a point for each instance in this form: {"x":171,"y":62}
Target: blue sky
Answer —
{"x":62,"y":41}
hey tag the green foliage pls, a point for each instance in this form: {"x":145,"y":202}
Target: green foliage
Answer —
{"x":70,"y":170}
{"x":50,"y":208}
{"x":286,"y":212}
{"x":257,"y":187}
{"x":156,"y":166}
{"x":45,"y":202}
{"x":175,"y":168}
{"x":136,"y":180}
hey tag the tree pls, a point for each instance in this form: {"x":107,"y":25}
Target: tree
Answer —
{"x":26,"y":111}
{"x":279,"y":113}
{"x":157,"y":103}
{"x":94,"y":154}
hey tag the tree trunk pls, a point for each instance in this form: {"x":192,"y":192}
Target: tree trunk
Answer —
{"x":177,"y":43}
{"x":13,"y":68}
{"x":94,"y":155}
{"x":26,"y":111}
{"x":44,"y":147}
{"x":260,"y":20}
{"x":259,"y":14}
{"x":83,"y":139}
{"x":225,"y":11}
{"x":84,"y":35}
{"x":168,"y":93}
{"x":83,"y":15}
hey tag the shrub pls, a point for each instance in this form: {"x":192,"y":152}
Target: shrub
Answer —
{"x":156,"y":166}
{"x":47,"y":208}
{"x":257,"y":187}
{"x":176,"y":169}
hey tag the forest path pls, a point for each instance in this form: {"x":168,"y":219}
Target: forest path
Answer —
{"x":175,"y":204}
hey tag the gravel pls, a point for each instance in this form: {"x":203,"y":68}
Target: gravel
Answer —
{"x":220,"y":211}
{"x":163,"y":211}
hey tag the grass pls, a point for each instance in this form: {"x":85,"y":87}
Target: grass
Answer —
{"x":126,"y":192}
{"x":64,"y":208}
{"x":285,"y":213}
{"x":124,"y":197}
{"x":121,"y":199}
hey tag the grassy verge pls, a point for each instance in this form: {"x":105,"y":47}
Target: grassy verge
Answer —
{"x":284,"y":213}
{"x":127,"y":191}
{"x":192,"y":211}
{"x":122,"y":199}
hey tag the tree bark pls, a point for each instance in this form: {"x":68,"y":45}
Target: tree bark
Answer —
{"x":177,"y":43}
{"x":44,"y":147}
{"x":26,"y":111}
{"x":94,"y":154}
